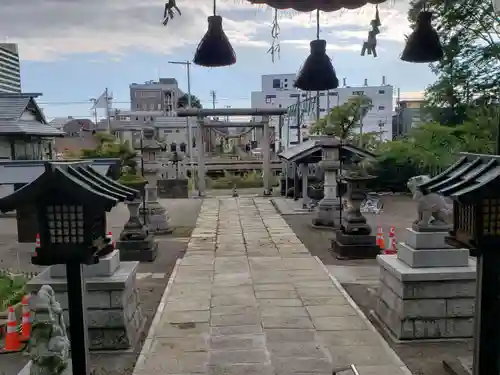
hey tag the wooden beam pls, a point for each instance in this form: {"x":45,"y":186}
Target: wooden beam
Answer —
{"x":194,"y":112}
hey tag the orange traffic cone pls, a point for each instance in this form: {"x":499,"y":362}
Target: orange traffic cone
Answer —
{"x":12,"y":343}
{"x":109,"y":236}
{"x":26,"y":321}
{"x":380,"y":238}
{"x":37,"y":244}
{"x":392,"y":243}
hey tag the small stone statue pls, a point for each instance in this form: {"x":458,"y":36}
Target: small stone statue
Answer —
{"x":49,"y":344}
{"x":433,"y":211}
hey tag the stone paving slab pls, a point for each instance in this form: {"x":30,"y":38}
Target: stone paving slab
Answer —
{"x":248,"y":298}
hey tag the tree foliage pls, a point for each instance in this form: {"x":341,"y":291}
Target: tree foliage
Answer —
{"x":110,"y":147}
{"x":344,"y":119}
{"x":183,"y":101}
{"x":469,"y":31}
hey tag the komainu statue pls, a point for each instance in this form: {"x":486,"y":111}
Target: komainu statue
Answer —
{"x":49,"y":344}
{"x":434,"y":213}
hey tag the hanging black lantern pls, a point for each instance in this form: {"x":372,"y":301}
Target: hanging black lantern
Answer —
{"x":423,"y":45}
{"x":317,"y":73}
{"x":214,"y":50}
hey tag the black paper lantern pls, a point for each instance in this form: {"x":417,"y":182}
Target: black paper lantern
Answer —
{"x":214,"y":50}
{"x":423,"y":45}
{"x":317,"y":73}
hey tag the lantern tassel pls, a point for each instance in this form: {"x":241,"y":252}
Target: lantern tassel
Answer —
{"x":214,"y":49}
{"x":317,"y":73}
{"x":423,"y":45}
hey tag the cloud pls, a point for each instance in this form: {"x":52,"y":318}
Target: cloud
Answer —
{"x":354,"y":24}
{"x":51,"y":29}
{"x":304,"y":44}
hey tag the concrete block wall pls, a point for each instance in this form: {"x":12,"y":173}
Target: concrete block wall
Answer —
{"x":114,"y":314}
{"x":431,"y":309}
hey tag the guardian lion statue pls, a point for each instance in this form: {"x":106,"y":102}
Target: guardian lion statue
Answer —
{"x":433,"y":212}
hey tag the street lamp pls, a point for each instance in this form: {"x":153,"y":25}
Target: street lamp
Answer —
{"x":187,"y":64}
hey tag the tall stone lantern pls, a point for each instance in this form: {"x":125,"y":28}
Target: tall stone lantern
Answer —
{"x":328,"y":210}
{"x":158,"y":221}
{"x":354,"y":239}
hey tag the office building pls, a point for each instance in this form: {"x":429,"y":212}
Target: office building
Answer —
{"x":10,"y":71}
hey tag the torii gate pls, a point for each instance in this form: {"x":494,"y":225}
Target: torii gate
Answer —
{"x":202,"y":114}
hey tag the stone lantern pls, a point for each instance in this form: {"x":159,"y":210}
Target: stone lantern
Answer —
{"x":157,"y":217}
{"x":354,"y":239}
{"x":328,"y":211}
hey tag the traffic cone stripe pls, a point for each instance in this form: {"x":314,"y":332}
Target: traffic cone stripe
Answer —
{"x":392,"y":242}
{"x":26,"y":320}
{"x":12,"y":342}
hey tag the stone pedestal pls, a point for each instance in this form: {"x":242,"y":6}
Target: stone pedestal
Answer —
{"x":427,"y":290}
{"x":328,"y":209}
{"x":26,"y":369}
{"x":157,"y":215}
{"x":354,"y":239}
{"x":135,"y":243}
{"x":114,"y":315}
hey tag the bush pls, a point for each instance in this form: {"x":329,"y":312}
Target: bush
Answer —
{"x":11,"y":290}
{"x":229,"y":181}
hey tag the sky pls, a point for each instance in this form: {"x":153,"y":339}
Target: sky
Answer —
{"x":71,"y":50}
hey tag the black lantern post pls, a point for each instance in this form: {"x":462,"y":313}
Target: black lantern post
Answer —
{"x":71,"y":200}
{"x":473,"y":183}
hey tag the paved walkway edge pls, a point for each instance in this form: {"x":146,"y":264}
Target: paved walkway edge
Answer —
{"x":369,"y":324}
{"x":159,"y":311}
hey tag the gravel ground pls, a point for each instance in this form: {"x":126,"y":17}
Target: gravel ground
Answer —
{"x":183,"y":215}
{"x":421,"y":358}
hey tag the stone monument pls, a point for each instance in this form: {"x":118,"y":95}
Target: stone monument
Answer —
{"x":427,"y":290}
{"x":114,"y":314}
{"x":354,"y":239}
{"x":328,"y":209}
{"x":158,"y":221}
{"x":135,"y":242}
{"x":49,"y":346}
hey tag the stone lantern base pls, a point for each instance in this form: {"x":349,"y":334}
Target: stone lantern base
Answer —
{"x":136,"y":243}
{"x":158,"y":219}
{"x":355,"y":246}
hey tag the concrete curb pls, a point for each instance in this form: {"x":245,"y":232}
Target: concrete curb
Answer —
{"x":159,"y":311}
{"x":369,"y":324}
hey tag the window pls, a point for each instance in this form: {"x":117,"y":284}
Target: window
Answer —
{"x":322,"y":110}
{"x":137,"y":106}
{"x":158,"y":106}
{"x":358,"y":92}
{"x":177,"y":130}
{"x":381,"y":91}
{"x":276,"y":83}
{"x":269,"y":97}
{"x":381,"y":107}
{"x":333,"y":94}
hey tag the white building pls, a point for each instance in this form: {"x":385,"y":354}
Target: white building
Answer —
{"x":10,"y":71}
{"x":275,"y":94}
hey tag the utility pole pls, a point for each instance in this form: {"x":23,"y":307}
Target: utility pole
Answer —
{"x":298,"y":119}
{"x":214,"y":97}
{"x":187,"y":64}
{"x":108,"y":100}
{"x":94,"y":101}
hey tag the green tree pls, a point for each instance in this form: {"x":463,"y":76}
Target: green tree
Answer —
{"x":183,"y":101}
{"x":469,"y":32}
{"x":344,"y":119}
{"x":110,"y":147}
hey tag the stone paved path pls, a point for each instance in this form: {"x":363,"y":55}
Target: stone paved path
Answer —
{"x":248,"y":298}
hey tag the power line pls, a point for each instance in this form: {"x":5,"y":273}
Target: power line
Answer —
{"x":128,"y":102}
